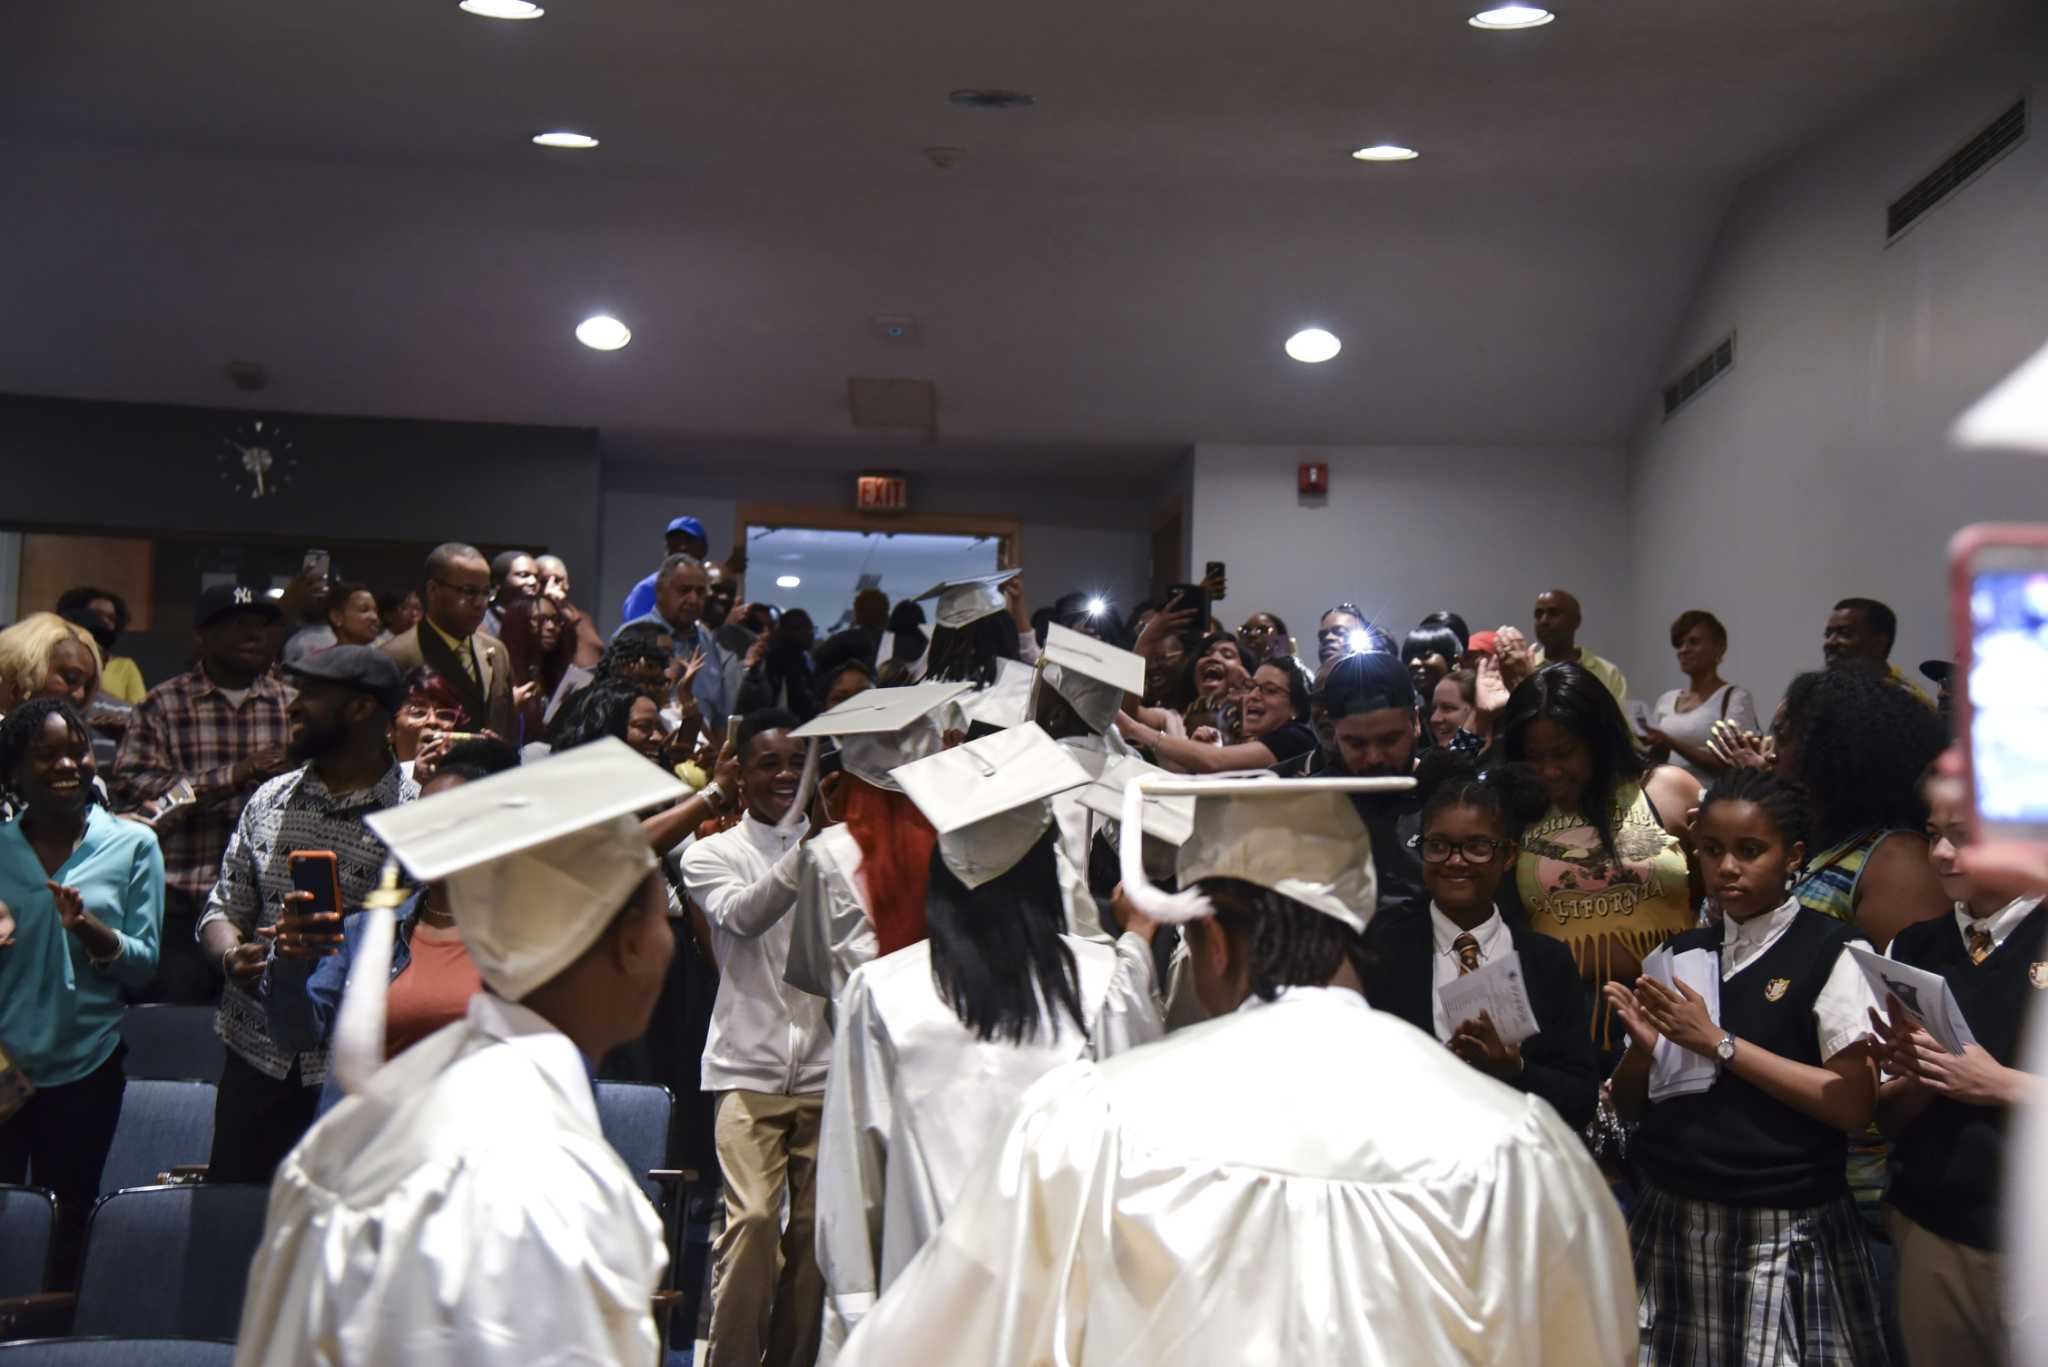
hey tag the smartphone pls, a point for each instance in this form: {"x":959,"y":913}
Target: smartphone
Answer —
{"x":732,"y":733}
{"x":1999,"y":588}
{"x":1212,"y":573}
{"x":314,"y":565}
{"x":315,"y":871}
{"x":1183,"y":596}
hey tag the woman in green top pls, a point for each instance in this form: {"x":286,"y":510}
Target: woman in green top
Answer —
{"x":81,"y":900}
{"x":1604,"y":870}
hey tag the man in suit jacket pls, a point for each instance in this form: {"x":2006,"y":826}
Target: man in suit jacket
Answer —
{"x":447,"y":639}
{"x":1557,"y":1063}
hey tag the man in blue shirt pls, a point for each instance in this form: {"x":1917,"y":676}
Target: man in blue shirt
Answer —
{"x":685,"y":537}
{"x":680,"y":588}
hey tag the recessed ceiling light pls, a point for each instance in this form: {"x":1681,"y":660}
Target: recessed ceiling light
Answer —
{"x":1386,"y":151}
{"x":1313,"y":346}
{"x":603,"y":333}
{"x":502,"y":9}
{"x":1511,"y":16}
{"x":564,"y":140}
{"x":787,"y":581}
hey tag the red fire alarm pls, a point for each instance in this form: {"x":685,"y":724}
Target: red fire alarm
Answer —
{"x":1315,"y":479}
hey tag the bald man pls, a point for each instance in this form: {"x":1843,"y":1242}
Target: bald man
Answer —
{"x":1557,"y":633}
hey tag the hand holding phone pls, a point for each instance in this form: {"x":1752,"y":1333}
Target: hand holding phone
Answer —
{"x":1999,"y":589}
{"x":309,"y":924}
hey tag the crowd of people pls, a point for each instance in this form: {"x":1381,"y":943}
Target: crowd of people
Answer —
{"x":1067,"y":985}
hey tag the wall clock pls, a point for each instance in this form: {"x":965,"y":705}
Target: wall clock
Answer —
{"x":257,"y":457}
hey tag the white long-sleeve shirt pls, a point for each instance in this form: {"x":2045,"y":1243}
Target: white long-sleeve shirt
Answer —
{"x":917,"y":1099}
{"x":830,"y":932}
{"x":765,"y":1035}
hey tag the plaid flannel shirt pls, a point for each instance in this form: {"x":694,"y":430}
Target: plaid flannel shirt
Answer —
{"x":293,"y":811}
{"x":185,"y":729}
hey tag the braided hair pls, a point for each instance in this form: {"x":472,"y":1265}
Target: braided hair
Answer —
{"x":18,"y":731}
{"x":1286,"y":943}
{"x":1784,"y":801}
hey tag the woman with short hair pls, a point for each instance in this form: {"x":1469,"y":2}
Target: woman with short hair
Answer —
{"x":1682,"y":724}
{"x":44,"y":656}
{"x":1276,"y":733}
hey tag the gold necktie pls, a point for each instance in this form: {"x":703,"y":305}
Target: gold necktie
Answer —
{"x":1980,"y":944}
{"x":1468,"y":953}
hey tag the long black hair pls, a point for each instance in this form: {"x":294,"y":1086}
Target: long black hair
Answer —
{"x":968,"y":654}
{"x":1565,"y":695}
{"x":603,"y":709}
{"x":1858,"y":743}
{"x":997,"y":956}
{"x":1511,"y":792}
{"x":1286,"y":944}
{"x":19,"y":731}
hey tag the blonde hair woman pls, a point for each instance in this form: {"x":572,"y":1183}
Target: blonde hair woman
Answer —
{"x":43,"y":655}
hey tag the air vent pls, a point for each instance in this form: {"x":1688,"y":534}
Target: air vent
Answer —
{"x":1698,"y":376}
{"x":1976,"y":156}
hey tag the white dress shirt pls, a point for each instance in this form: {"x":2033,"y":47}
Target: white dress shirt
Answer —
{"x":463,"y":1210}
{"x":765,"y":1035}
{"x":1841,"y":1013}
{"x":1210,"y":1201}
{"x":2000,"y":923}
{"x":1494,"y":941}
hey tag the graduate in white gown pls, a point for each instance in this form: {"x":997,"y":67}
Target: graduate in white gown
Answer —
{"x":462,"y":1205}
{"x":937,"y":1042}
{"x":861,"y":883}
{"x":1301,"y":1180}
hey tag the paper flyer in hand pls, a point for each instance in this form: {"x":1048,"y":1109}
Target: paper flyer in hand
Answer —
{"x":1921,"y":995}
{"x":1497,"y":989}
{"x":1676,"y":1071}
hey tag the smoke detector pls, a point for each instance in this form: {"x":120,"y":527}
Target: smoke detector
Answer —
{"x":897,"y":329}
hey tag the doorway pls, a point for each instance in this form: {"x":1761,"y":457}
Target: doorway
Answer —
{"x":819,"y":569}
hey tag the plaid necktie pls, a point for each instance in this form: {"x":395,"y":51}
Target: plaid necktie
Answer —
{"x":1979,"y":940}
{"x":1468,"y":953}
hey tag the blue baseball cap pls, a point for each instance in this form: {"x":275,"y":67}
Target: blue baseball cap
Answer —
{"x":688,"y":526}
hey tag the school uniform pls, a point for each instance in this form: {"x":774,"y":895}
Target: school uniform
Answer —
{"x":1747,"y":1245}
{"x":1416,"y":952}
{"x":1946,"y":1200}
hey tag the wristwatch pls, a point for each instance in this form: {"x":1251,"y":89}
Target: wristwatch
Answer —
{"x":1725,"y":1050}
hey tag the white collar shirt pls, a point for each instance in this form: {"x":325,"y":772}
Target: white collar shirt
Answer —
{"x":2000,"y":923}
{"x":1841,"y":1013}
{"x":1494,"y":941}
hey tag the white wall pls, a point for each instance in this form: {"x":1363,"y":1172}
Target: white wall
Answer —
{"x":1408,"y":530}
{"x":1818,"y":467}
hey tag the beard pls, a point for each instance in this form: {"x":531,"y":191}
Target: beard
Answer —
{"x":313,"y":740}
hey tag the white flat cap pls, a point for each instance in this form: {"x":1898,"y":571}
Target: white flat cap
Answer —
{"x":963,"y":602}
{"x":538,"y":859}
{"x":1093,"y":676}
{"x":880,"y":729}
{"x":991,"y":799}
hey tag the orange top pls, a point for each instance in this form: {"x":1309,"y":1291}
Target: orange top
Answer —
{"x":433,"y":991}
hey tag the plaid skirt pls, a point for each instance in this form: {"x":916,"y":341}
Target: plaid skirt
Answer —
{"x":1733,"y":1286}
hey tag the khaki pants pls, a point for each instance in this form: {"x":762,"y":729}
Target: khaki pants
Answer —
{"x":767,"y":1295}
{"x":1950,"y":1298}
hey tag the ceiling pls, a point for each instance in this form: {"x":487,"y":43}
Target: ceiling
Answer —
{"x":343,"y":192}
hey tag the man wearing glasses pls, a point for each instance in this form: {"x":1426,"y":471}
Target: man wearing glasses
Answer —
{"x":449,"y":640}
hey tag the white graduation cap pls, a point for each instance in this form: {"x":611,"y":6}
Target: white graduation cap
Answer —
{"x":880,"y":729}
{"x":1299,"y":837}
{"x":1091,"y":675}
{"x":1002,"y":704}
{"x":963,"y":602}
{"x":990,"y":800}
{"x":1168,"y":819}
{"x":538,"y":861}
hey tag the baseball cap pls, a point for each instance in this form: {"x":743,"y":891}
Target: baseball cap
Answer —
{"x":687,"y":526}
{"x":365,"y":669}
{"x":1937,"y":671}
{"x":221,"y":599}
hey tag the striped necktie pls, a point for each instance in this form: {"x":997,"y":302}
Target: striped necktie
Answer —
{"x":1468,"y":953}
{"x":1979,"y":940}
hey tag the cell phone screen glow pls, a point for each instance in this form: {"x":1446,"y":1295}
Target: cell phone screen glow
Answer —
{"x":2009,"y":695}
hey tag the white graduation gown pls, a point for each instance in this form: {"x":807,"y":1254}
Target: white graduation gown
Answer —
{"x":915,"y":1101}
{"x":1306,"y":1181}
{"x":463,"y":1209}
{"x":830,"y":934}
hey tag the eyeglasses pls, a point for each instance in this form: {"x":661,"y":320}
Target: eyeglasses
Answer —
{"x":1276,"y":692}
{"x":1478,"y":850}
{"x":467,"y":592}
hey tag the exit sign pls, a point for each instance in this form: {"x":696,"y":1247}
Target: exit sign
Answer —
{"x":883,"y":494}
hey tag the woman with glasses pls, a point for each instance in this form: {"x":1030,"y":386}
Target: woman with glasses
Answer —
{"x":1264,"y":637}
{"x":1471,"y":821}
{"x":1275,"y":727}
